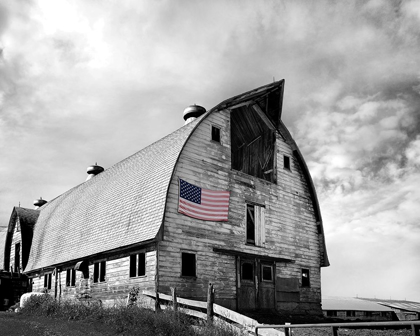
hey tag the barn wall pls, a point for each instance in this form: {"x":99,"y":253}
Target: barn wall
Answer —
{"x":290,"y":224}
{"x":16,"y":238}
{"x":117,"y":280}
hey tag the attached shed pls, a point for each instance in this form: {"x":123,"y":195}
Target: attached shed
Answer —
{"x":346,"y":308}
{"x":226,"y":199}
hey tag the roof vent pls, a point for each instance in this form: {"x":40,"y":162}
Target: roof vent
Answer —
{"x":39,"y":203}
{"x":93,"y":170}
{"x":192,"y":112}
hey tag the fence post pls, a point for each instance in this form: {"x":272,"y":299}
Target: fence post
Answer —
{"x":334,"y":330}
{"x":210,"y":301}
{"x":415,"y":330}
{"x":287,"y":331}
{"x":157,"y":305}
{"x":174,"y":300}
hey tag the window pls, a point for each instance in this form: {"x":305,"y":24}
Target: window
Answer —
{"x":332,"y":313}
{"x":247,"y":271}
{"x":137,"y":265}
{"x":215,"y":133}
{"x":17,"y":257}
{"x":99,"y":271}
{"x":350,"y":313}
{"x":255,"y":225}
{"x":47,"y":280}
{"x":267,"y":273}
{"x":71,"y":277}
{"x":286,"y":162}
{"x":188,"y":267}
{"x":368,"y":314}
{"x":305,"y":278}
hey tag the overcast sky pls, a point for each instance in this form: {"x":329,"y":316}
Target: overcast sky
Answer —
{"x":95,"y":81}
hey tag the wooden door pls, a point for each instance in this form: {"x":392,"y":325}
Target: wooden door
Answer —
{"x":247,"y":290}
{"x":266,"y":285}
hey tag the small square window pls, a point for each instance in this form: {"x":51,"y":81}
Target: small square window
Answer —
{"x":137,"y":265}
{"x":71,"y":277}
{"x":267,"y":273}
{"x":99,"y":271}
{"x":286,"y":162}
{"x":350,"y":313}
{"x":188,"y":267}
{"x":215,"y":133}
{"x":305,"y":278}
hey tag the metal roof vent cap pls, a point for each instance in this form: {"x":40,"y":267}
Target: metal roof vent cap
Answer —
{"x":93,"y":170}
{"x":192,"y":112}
{"x":39,"y":202}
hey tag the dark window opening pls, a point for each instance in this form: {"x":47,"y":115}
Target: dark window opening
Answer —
{"x":47,"y":280}
{"x":368,"y":314}
{"x":215,"y":133}
{"x":331,"y":313}
{"x":137,"y":265}
{"x":188,"y":264}
{"x":267,"y":273}
{"x":305,"y":278}
{"x":252,"y":144}
{"x":99,"y":271}
{"x":247,"y":271}
{"x":71,"y":277}
{"x":250,"y":224}
{"x":350,"y":313}
{"x":286,"y":162}
{"x":17,"y":257}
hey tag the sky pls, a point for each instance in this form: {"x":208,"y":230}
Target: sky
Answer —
{"x":95,"y":81}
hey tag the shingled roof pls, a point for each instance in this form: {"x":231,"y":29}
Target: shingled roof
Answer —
{"x":122,"y":206}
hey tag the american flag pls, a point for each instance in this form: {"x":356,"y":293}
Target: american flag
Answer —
{"x":203,"y":204}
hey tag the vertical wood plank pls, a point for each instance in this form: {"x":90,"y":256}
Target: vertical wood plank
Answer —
{"x":210,"y":301}
{"x":174,"y":300}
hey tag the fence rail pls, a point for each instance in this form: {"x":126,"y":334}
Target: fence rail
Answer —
{"x":415,"y":326}
{"x":213,"y":311}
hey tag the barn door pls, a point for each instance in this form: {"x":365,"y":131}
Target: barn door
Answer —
{"x":256,"y":287}
{"x":247,"y":290}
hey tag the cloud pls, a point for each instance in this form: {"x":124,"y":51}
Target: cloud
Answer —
{"x":82,"y":82}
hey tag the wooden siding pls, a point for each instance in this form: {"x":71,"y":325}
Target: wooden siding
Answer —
{"x":117,"y":282}
{"x":290,"y":224}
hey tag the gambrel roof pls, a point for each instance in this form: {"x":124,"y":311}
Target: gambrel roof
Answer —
{"x":125,"y":204}
{"x":121,"y":206}
{"x":26,"y":219}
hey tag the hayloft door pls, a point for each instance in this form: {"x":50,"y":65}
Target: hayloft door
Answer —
{"x":247,"y":284}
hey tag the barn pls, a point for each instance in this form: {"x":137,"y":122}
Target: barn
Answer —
{"x":226,"y":199}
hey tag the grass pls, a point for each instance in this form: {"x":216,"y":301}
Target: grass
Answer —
{"x":121,"y":320}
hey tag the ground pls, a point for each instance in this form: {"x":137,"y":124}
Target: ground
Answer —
{"x":12,"y":324}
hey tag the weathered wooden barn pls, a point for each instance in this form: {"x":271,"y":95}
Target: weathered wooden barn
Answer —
{"x":146,"y":221}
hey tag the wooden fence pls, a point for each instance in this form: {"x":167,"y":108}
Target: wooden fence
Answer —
{"x":334,"y":327}
{"x":209,"y":311}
